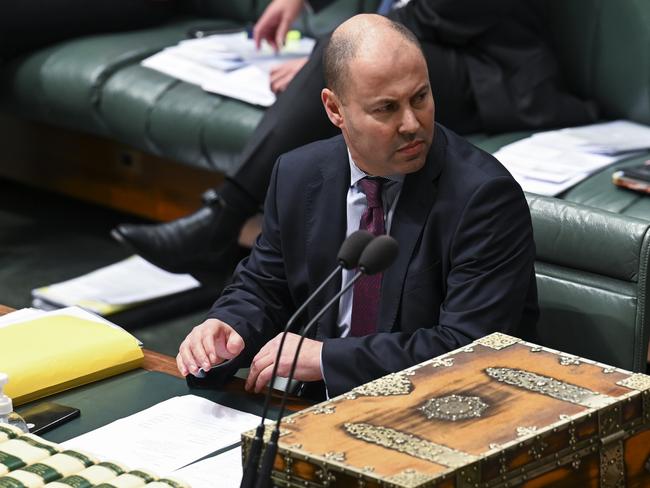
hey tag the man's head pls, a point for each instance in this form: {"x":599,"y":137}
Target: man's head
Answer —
{"x":378,"y":94}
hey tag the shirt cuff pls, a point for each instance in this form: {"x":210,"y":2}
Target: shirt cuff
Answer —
{"x":322,"y":373}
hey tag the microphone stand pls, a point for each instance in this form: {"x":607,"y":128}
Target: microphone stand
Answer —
{"x":264,"y":478}
{"x":348,"y":257}
{"x":250,"y":470}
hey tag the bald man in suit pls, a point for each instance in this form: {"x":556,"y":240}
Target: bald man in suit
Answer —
{"x":465,"y":263}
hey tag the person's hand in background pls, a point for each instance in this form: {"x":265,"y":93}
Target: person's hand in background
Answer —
{"x":275,"y":22}
{"x":282,"y":74}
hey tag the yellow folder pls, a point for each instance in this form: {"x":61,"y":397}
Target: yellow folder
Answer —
{"x":51,"y":354}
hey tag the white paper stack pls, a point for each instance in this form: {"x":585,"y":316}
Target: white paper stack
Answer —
{"x":114,"y":288}
{"x":169,"y":435}
{"x":550,"y":162}
{"x":28,"y":314}
{"x":228,"y":64}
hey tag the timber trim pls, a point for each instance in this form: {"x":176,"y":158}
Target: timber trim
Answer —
{"x":99,"y":170}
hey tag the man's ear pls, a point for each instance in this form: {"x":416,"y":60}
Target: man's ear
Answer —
{"x":332,"y":106}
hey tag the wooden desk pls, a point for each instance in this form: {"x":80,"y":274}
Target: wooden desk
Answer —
{"x":155,"y":361}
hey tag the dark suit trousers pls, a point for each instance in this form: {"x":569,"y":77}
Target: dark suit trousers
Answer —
{"x":298,"y":117}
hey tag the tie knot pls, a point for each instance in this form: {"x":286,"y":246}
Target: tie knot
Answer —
{"x":372,"y":188}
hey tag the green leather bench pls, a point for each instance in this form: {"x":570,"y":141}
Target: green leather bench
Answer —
{"x":96,"y":85}
{"x":592,"y":271}
{"x":604,"y":49}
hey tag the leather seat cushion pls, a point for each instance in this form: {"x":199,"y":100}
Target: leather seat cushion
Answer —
{"x":63,"y":83}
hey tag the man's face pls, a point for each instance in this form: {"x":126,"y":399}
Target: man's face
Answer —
{"x":386,"y":112}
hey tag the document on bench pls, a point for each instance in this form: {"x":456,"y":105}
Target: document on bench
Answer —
{"x":116,"y":287}
{"x":167,"y":436}
{"x":549,"y":163}
{"x":27,"y":314}
{"x":224,"y":471}
{"x":228,"y":64}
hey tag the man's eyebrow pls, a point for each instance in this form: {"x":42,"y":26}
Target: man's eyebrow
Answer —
{"x":388,"y":99}
{"x":382,"y":99}
{"x":424,"y":86}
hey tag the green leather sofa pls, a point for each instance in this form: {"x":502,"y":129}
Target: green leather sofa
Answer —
{"x":96,"y":85}
{"x":604,"y":49}
{"x":592,"y":271}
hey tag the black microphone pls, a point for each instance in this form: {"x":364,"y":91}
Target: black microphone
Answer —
{"x":349,"y":254}
{"x":376,"y":257}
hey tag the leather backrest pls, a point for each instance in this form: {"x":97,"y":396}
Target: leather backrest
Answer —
{"x":604,"y":52}
{"x":239,"y":10}
{"x":592,"y":269}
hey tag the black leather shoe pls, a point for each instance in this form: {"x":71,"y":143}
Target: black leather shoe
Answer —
{"x":198,"y":244}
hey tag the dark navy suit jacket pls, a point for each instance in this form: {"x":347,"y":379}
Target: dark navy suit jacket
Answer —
{"x":464,"y":268}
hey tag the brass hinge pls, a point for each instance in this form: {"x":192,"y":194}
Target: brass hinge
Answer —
{"x":612,"y":455}
{"x":616,"y":436}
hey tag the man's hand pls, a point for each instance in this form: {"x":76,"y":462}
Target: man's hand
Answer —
{"x":209,"y":344}
{"x":307,"y":368}
{"x":282,"y":75}
{"x":274,"y":23}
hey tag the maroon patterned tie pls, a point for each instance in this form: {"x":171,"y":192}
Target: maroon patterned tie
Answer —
{"x":365,"y":301}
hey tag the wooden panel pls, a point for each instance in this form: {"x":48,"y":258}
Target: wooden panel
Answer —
{"x":101,"y":171}
{"x":584,"y":475}
{"x":637,"y":460}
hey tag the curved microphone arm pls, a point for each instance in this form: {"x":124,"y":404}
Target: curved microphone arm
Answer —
{"x":264,"y":478}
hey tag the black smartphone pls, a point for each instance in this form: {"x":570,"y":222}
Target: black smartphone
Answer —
{"x":47,"y":415}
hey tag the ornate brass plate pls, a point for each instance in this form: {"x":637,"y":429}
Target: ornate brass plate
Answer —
{"x":409,"y":444}
{"x":545,"y":385}
{"x":453,"y":407}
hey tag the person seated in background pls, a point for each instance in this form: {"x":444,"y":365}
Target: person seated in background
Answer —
{"x":491,"y":69}
{"x":466,"y":252}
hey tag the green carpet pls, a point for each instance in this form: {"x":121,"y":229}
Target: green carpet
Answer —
{"x":46,"y":238}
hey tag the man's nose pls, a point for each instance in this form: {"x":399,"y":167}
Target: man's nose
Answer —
{"x":409,"y":123}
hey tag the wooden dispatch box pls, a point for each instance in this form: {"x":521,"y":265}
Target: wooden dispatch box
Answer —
{"x":499,"y":412}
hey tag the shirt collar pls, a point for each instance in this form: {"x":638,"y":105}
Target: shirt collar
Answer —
{"x":357,"y":174}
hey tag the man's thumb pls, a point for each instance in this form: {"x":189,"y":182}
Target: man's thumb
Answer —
{"x":234,"y":344}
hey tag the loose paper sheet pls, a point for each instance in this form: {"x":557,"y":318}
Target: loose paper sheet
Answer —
{"x":169,"y":435}
{"x":228,"y":64}
{"x":547,"y":163}
{"x":130,"y":281}
{"x":224,"y":471}
{"x":27,"y":314}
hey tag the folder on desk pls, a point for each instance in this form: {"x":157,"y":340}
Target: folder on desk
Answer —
{"x":54,"y":353}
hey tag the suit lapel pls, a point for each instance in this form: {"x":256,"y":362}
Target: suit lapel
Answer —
{"x":414,"y":206}
{"x":326,"y":226}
